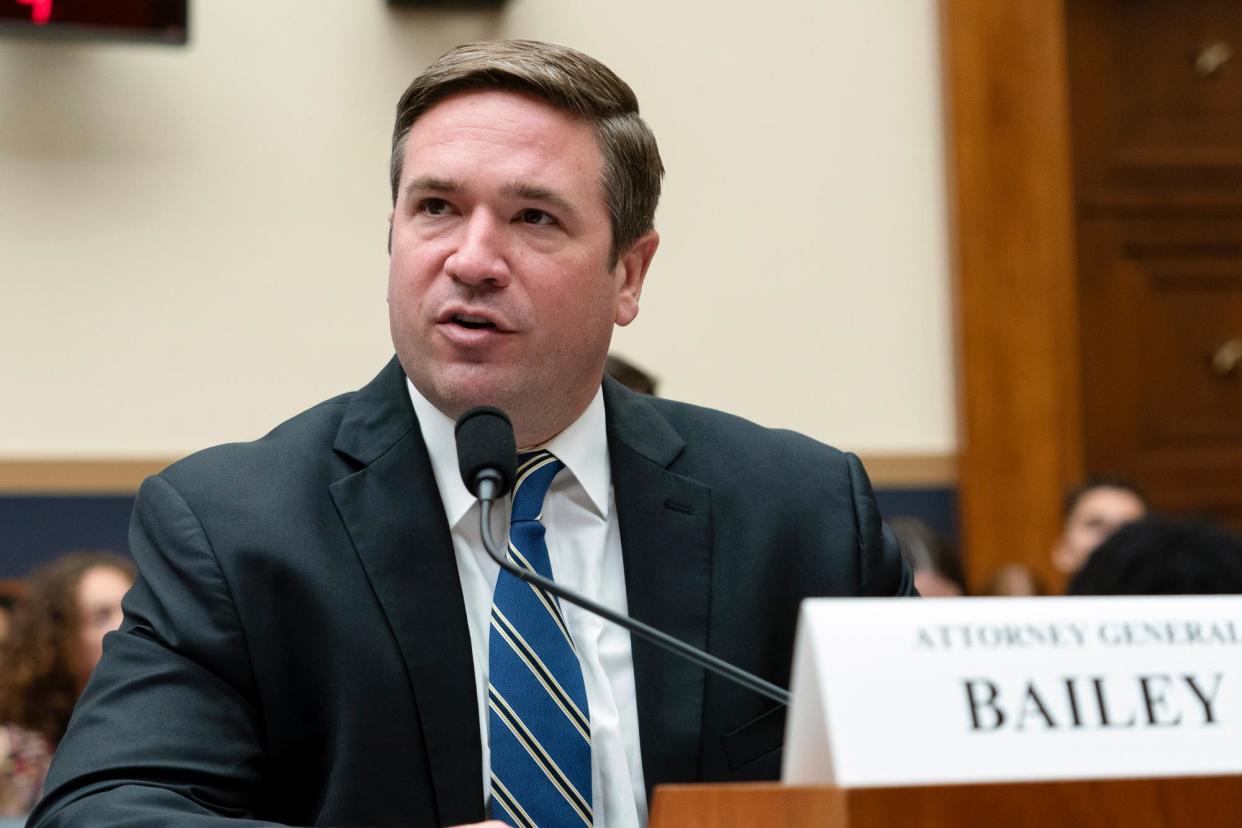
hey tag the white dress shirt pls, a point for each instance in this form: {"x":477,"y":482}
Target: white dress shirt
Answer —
{"x":584,"y":547}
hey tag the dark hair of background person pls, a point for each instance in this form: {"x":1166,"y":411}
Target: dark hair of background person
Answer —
{"x":38,"y":682}
{"x":570,"y":81}
{"x":1072,"y":496}
{"x":1158,"y":555}
{"x":7,"y":602}
{"x":630,"y":375}
{"x":926,"y":551}
{"x":6,"y":612}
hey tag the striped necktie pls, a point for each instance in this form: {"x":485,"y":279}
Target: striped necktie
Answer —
{"x":539,"y":726}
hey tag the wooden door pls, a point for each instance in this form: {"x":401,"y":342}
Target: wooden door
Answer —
{"x":1156,"y":115}
{"x":1095,"y":160}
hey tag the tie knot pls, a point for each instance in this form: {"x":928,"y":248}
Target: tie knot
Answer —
{"x":534,"y":475}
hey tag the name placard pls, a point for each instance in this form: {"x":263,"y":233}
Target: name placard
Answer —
{"x":944,"y":691}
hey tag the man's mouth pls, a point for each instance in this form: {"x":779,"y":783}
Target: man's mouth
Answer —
{"x":474,"y":323}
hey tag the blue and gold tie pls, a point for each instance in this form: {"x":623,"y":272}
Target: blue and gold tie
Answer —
{"x":539,"y":725}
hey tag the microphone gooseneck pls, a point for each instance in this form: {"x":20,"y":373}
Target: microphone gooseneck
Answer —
{"x":479,"y":430}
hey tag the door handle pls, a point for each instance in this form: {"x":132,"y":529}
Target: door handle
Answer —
{"x":1228,"y":356}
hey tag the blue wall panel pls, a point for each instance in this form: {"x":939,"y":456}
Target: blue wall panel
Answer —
{"x":937,"y":507}
{"x":37,"y":529}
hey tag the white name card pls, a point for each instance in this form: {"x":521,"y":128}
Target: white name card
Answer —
{"x":895,"y":692}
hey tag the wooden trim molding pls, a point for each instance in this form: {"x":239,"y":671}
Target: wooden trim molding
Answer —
{"x":123,"y":476}
{"x":82,"y":477}
{"x":914,"y":471}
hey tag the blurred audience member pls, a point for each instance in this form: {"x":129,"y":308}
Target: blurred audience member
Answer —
{"x":6,"y":614}
{"x":937,"y":568}
{"x":54,"y":642}
{"x":1164,"y":556}
{"x":1092,"y":512}
{"x":1014,"y":580}
{"x":630,"y":375}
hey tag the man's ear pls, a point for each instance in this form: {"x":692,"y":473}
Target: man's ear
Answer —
{"x":631,"y":270}
{"x":391,"y":213}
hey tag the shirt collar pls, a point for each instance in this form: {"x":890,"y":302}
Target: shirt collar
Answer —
{"x":582,"y":447}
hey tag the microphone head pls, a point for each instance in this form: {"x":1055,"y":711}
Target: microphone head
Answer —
{"x":485,"y":442}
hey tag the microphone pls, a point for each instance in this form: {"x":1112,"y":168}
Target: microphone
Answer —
{"x":487,"y":458}
{"x":486,"y":452}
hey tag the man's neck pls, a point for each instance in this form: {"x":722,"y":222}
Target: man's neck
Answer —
{"x":531,"y":429}
{"x":582,"y":446}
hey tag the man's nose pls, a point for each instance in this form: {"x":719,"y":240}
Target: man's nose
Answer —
{"x":481,"y":255}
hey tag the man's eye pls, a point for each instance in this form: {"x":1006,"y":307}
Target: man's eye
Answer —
{"x":433,"y":206}
{"x":533,"y":216}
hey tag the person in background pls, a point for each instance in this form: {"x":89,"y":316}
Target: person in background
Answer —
{"x":630,"y":375}
{"x":6,"y":614}
{"x":1014,"y":580}
{"x":54,"y":642}
{"x":937,"y":567}
{"x":1093,"y":511}
{"x":1158,"y":555}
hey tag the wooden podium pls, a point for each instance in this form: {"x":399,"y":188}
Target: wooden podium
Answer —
{"x":1198,"y":802}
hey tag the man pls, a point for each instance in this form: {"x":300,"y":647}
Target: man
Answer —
{"x":1093,"y":511}
{"x":317,"y":636}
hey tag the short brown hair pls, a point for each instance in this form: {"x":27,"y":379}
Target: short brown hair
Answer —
{"x":570,"y":81}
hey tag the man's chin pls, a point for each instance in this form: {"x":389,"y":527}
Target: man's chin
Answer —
{"x":455,"y":396}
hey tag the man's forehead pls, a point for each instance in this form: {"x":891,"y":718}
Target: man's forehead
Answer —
{"x":502,"y":111}
{"x":531,"y":148}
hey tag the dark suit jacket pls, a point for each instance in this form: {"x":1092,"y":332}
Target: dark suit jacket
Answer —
{"x":296,"y":650}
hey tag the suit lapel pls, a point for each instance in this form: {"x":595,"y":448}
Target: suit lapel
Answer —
{"x":394,"y":515}
{"x":666,"y":540}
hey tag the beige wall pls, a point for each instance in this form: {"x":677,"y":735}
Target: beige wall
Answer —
{"x":192,"y":239}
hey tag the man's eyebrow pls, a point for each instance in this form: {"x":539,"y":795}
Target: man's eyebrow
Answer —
{"x":534,"y":192}
{"x":431,"y":184}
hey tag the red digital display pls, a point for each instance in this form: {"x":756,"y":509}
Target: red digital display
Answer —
{"x":158,"y":20}
{"x":40,"y":11}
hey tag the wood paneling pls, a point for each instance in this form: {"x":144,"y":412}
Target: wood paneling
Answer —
{"x":1016,"y":295}
{"x":1095,"y":295}
{"x":1162,"y":301}
{"x":1155,"y":92}
{"x":1202,"y":802}
{"x":1156,"y":103}
{"x":117,"y":476}
{"x":911,"y":470}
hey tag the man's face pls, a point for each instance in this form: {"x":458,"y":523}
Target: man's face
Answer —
{"x":1098,"y":513}
{"x":499,"y":285}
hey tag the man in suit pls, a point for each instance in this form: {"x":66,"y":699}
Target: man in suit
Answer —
{"x":312,"y":639}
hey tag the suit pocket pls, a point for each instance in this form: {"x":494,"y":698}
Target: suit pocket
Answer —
{"x":755,"y":739}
